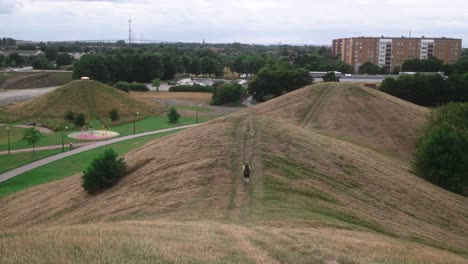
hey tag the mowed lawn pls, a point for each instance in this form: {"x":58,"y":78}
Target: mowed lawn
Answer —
{"x":69,"y":165}
{"x":10,"y":162}
{"x":143,"y":125}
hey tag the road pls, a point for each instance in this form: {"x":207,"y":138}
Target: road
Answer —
{"x":10,"y":174}
{"x":20,"y":95}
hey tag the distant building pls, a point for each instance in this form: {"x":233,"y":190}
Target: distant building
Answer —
{"x":392,"y":52}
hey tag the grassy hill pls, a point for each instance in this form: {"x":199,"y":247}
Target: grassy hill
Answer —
{"x":357,"y":114}
{"x":89,"y":97}
{"x":313,"y":198}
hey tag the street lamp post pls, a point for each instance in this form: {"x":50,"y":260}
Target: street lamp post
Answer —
{"x":63,"y":144}
{"x":134,"y":123}
{"x":8,"y":132}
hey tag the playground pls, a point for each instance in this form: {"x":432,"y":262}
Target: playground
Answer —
{"x":93,"y":135}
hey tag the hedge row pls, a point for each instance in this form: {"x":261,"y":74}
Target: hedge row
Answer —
{"x":126,"y":87}
{"x":191,"y":88}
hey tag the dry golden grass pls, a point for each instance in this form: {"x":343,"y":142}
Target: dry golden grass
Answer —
{"x":357,"y":114}
{"x":89,"y":97}
{"x":202,"y":97}
{"x":209,"y":242}
{"x":312,"y":198}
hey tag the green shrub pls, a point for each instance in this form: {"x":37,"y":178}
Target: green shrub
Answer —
{"x":173,"y":115}
{"x":126,"y":87}
{"x":442,"y":153}
{"x":103,"y":172}
{"x":191,"y":88}
{"x":70,"y":116}
{"x":80,"y":120}
{"x":227,"y":93}
{"x":330,"y":77}
{"x":123,"y":86}
{"x":114,"y":115}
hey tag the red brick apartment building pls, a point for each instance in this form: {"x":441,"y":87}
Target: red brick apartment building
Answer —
{"x":392,"y":52}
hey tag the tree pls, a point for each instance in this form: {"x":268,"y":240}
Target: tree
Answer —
{"x":91,"y":66}
{"x":275,"y":80}
{"x":442,"y":153}
{"x":80,"y":120}
{"x":103,"y":172}
{"x":51,"y":53}
{"x":40,"y":62}
{"x":156,"y":83}
{"x":330,"y":77}
{"x":173,"y":115}
{"x":428,"y":65}
{"x":32,"y":136}
{"x":64,"y":59}
{"x":369,"y":68}
{"x":227,"y":93}
{"x":18,"y":60}
{"x":114,"y":114}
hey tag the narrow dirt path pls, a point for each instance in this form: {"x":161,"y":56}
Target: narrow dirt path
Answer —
{"x":43,"y":130}
{"x":317,"y":105}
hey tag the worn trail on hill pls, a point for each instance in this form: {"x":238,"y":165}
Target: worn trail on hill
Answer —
{"x":317,"y":106}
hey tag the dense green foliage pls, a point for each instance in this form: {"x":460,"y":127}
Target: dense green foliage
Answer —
{"x":428,"y":90}
{"x":80,"y":120}
{"x":370,"y":68}
{"x":103,"y":172}
{"x":428,"y":65}
{"x":156,"y":83}
{"x":90,"y":66}
{"x":114,"y":115}
{"x":64,"y":59}
{"x":275,"y":80}
{"x":41,"y":62}
{"x":442,"y":153}
{"x":330,"y":77}
{"x":227,"y":93}
{"x":126,"y":87}
{"x":191,"y":88}
{"x":173,"y":115}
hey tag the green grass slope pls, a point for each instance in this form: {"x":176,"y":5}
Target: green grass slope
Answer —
{"x":89,"y":97}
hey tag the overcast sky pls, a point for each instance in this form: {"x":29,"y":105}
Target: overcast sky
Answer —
{"x":246,"y":21}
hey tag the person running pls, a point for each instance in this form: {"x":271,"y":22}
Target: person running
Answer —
{"x":246,"y":170}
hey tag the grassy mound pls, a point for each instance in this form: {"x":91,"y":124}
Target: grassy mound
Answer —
{"x":357,"y":114}
{"x":92,"y":98}
{"x":313,"y":197}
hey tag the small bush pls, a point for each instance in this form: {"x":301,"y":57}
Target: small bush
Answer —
{"x":330,"y":77}
{"x":103,"y":172}
{"x":80,"y":120}
{"x":173,"y":115}
{"x":114,"y":115}
{"x":123,"y":86}
{"x":126,"y":87}
{"x":70,"y":116}
{"x":191,"y":88}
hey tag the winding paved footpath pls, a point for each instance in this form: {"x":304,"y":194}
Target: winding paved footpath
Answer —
{"x":10,"y":174}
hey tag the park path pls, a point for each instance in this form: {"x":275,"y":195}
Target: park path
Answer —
{"x":10,"y":174}
{"x":67,"y":146}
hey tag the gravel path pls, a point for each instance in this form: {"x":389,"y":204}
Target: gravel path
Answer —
{"x":10,"y":174}
{"x":20,"y":95}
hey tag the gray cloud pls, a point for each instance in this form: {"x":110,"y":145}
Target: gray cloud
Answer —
{"x":260,"y":21}
{"x":7,"y":7}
